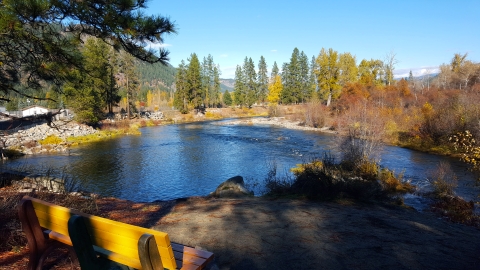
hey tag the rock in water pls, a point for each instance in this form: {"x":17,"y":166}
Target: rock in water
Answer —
{"x":232,"y":188}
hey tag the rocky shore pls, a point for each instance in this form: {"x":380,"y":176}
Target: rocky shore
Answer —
{"x":276,"y":121}
{"x":27,"y":139}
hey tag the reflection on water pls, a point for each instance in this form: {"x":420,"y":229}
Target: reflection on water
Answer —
{"x":168,"y":162}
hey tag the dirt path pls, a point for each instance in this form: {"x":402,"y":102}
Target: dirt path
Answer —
{"x":289,"y":234}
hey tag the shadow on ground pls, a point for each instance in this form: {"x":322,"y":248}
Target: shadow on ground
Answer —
{"x":289,"y":234}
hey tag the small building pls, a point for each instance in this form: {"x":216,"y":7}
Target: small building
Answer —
{"x":34,"y":110}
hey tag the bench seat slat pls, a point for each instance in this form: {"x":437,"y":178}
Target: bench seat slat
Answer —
{"x":135,"y":263}
{"x":189,"y":259}
{"x":183,"y":266}
{"x":196,"y":252}
{"x":58,"y":237}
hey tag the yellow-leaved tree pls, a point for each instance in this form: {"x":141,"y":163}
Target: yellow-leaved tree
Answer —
{"x":274,"y":89}
{"x":149,"y":99}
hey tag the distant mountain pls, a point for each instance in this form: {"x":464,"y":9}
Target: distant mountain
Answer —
{"x":420,"y":77}
{"x":227,"y":84}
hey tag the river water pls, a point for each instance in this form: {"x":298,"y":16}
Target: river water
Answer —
{"x":174,"y":161}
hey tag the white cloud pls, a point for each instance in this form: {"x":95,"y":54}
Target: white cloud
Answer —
{"x":224,"y":55}
{"x":228,"y":72}
{"x":274,"y":51}
{"x":156,"y":46}
{"x":420,"y":71}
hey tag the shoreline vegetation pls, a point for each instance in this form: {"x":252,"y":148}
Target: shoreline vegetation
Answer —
{"x":354,"y":181}
{"x":292,"y":117}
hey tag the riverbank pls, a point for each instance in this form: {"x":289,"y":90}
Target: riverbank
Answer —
{"x":261,"y":233}
{"x":277,"y":121}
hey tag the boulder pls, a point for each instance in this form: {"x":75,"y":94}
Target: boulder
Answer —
{"x":232,"y":188}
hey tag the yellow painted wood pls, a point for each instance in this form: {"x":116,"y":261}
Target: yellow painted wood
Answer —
{"x":135,"y":263}
{"x":59,"y":237}
{"x":118,"y":241}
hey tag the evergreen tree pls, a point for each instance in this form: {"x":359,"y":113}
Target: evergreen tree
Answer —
{"x":181,"y":98}
{"x":292,"y":85}
{"x":285,"y":95}
{"x":227,"y":98}
{"x":207,"y":63}
{"x":130,"y":83}
{"x":262,"y":80}
{"x":99,"y":63}
{"x":275,"y":71}
{"x":239,"y":87}
{"x":411,"y":81}
{"x":313,"y":78}
{"x":195,"y":88}
{"x":97,"y":83}
{"x":39,"y":41}
{"x":328,"y":75}
{"x":250,"y":76}
{"x":83,"y":98}
{"x":215,"y":96}
{"x":304,"y":82}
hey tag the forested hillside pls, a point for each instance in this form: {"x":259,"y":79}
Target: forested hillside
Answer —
{"x":156,"y":76}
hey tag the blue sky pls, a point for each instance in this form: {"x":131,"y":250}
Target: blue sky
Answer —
{"x":423,"y":34}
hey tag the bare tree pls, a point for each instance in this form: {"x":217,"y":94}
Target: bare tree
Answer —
{"x":389,"y":66}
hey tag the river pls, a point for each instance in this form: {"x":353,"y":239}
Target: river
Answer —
{"x":174,"y":161}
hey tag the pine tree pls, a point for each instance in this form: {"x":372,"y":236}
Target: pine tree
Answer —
{"x":250,"y":76}
{"x":196,"y":92}
{"x":262,"y":80}
{"x":304,"y":83}
{"x":292,"y":81}
{"x":39,"y":41}
{"x":215,"y":96}
{"x":239,"y":87}
{"x":181,"y":98}
{"x":285,"y":95}
{"x":313,"y":78}
{"x":100,"y":62}
{"x":131,"y":82}
{"x":275,"y":72}
{"x":227,"y":98}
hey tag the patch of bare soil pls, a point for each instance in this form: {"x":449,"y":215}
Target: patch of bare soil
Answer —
{"x":293,"y":234}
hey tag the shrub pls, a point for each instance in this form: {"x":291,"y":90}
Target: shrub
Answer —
{"x":392,"y":184}
{"x":51,"y":139}
{"x":275,"y":185}
{"x":30,"y":144}
{"x":273,"y":110}
{"x":368,"y":170}
{"x":315,"y":114}
{"x":457,"y":210}
{"x":443,"y":180}
{"x":323,"y":179}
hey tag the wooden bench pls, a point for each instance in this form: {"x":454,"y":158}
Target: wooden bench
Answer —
{"x":98,"y":242}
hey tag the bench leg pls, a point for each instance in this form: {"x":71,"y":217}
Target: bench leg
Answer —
{"x":37,"y":243}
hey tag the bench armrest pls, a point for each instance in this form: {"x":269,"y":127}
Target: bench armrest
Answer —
{"x":148,"y":253}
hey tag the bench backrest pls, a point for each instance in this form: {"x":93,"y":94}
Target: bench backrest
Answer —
{"x":115,"y":240}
